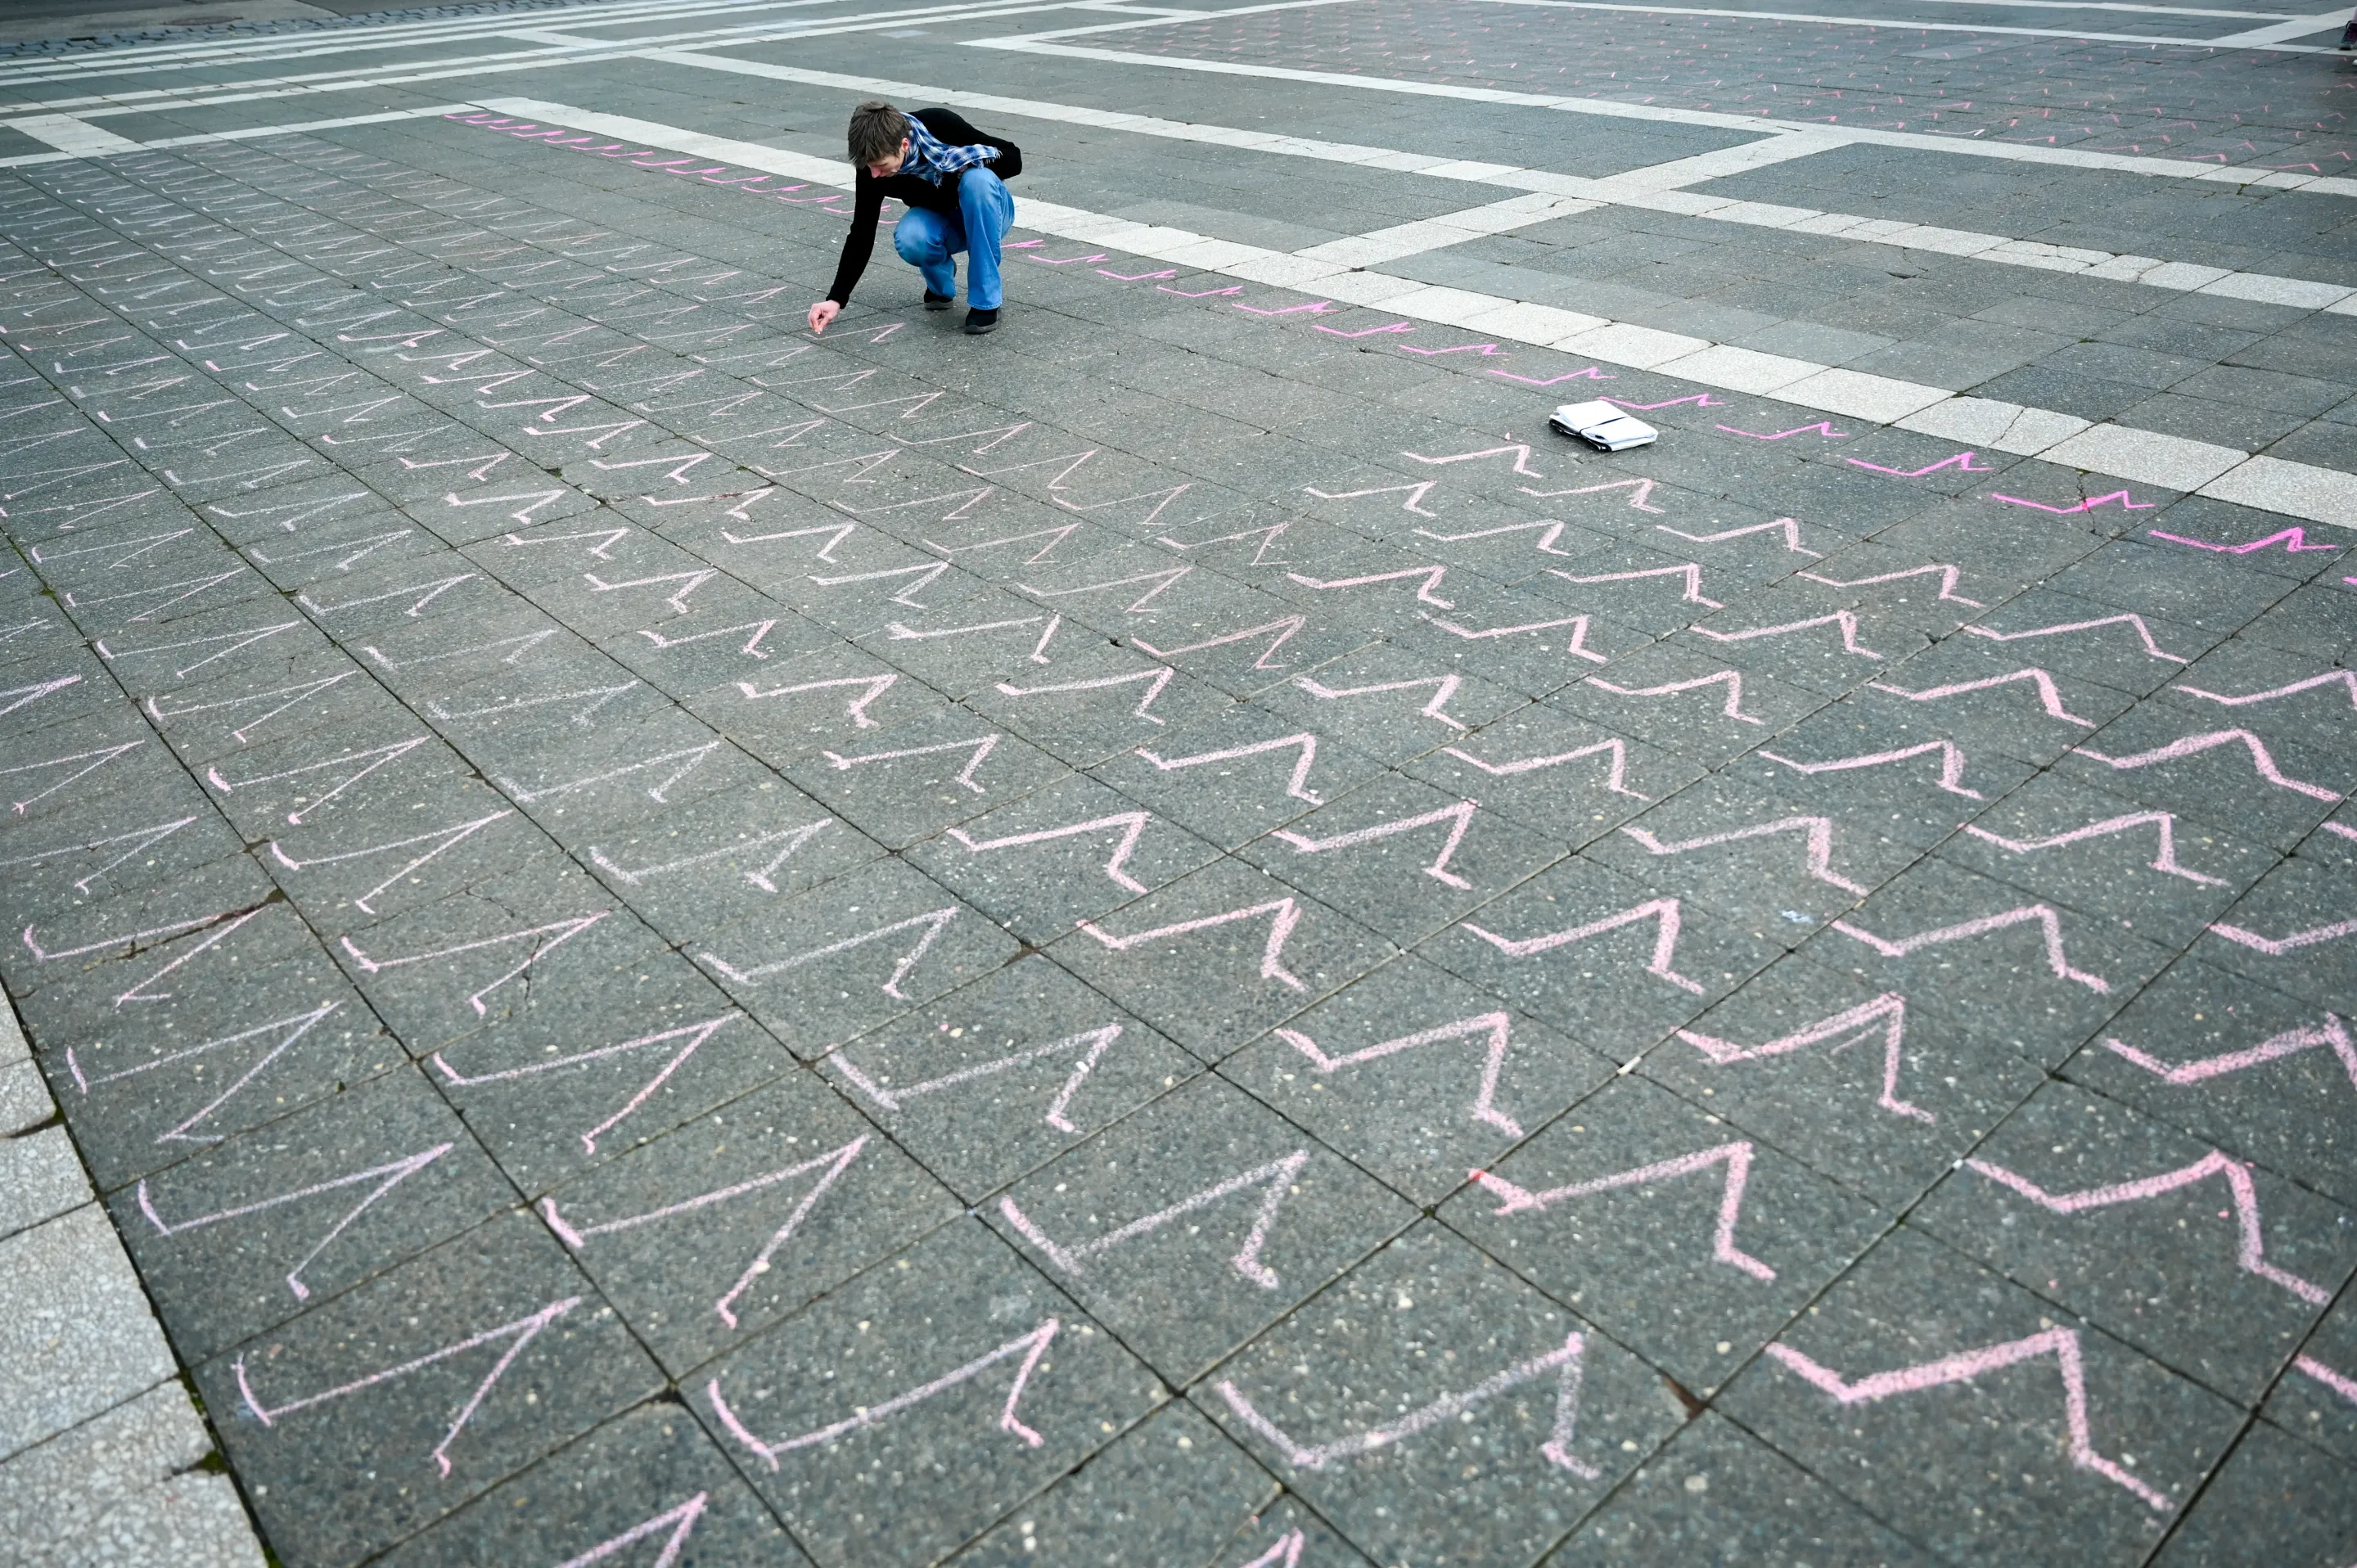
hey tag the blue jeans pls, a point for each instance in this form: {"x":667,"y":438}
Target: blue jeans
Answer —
{"x":927,"y":240}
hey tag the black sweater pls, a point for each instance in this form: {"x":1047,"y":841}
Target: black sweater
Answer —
{"x":950,"y":129}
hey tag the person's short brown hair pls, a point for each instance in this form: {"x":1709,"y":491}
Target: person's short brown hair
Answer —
{"x":876,"y":132}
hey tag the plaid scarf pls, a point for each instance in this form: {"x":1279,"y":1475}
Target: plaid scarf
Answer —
{"x":929,"y":160}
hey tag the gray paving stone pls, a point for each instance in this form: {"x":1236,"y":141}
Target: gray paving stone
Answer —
{"x":80,"y":1339}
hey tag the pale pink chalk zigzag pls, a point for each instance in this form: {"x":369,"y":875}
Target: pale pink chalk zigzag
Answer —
{"x":1819,"y":842}
{"x":1736,"y":1157}
{"x":1887,"y":1011}
{"x":2262,"y":762}
{"x":2164,"y":860}
{"x":1665,"y":939}
{"x":2042,"y":915}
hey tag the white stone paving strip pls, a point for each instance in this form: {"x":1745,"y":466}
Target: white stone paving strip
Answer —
{"x":250,"y":132}
{"x":2299,"y":489}
{"x":99,"y":1444}
{"x":68,"y":135}
{"x":2068,"y":158}
{"x":2256,"y":36}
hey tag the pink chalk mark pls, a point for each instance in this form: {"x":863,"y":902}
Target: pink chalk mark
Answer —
{"x":1461,"y":814}
{"x":1818,"y":840}
{"x":933,"y":920}
{"x":762,"y":876}
{"x":387,"y":1177}
{"x":1575,"y":646}
{"x":2341,"y":1383}
{"x":2262,"y":762}
{"x":567,"y":930}
{"x":1638,"y":490}
{"x":1064,"y":260}
{"x":694,"y":1033}
{"x":1736,"y":1157}
{"x":1132,"y":823}
{"x":523,"y":1329}
{"x":2143,"y":633}
{"x":1948,"y":577}
{"x":1731,"y":679}
{"x":2238,"y":1176}
{"x":2122,"y":497}
{"x":1485,"y":351}
{"x":1033,"y":1345}
{"x":2164,"y":822}
{"x":1284,"y":913}
{"x":1496,"y":1027}
{"x":1206,"y":293}
{"x":1284,"y":629}
{"x":2291,"y":1042}
{"x":294,"y":1028}
{"x":2043,"y":916}
{"x":443,"y":839}
{"x":2276,"y":947}
{"x":870,"y":687}
{"x":1546,"y":542}
{"x":1097,"y":1040}
{"x":1824,"y":427}
{"x":1951,"y":764}
{"x":2293,"y":540}
{"x":1789,"y":527}
{"x":982,"y":749}
{"x":1370,"y":331}
{"x":1444,"y":687}
{"x":1138,"y":277}
{"x":1690,"y":573}
{"x":1664,"y":911}
{"x":2346,"y":679}
{"x":1286,"y":1553}
{"x":2063,"y":1344}
{"x":1615,"y":777}
{"x":1426,"y":594}
{"x":1844,"y":619}
{"x":1316,"y":307}
{"x":836,"y":1161}
{"x":1155,"y":680}
{"x":1962,"y":462}
{"x":2049,"y":697}
{"x":1297,"y":786}
{"x":1415,"y":493}
{"x":1564,"y":1362}
{"x":1592,"y":373}
{"x":1276,"y":1176}
{"x":1520,"y":450}
{"x":680,"y":1521}
{"x":1700,"y":400}
{"x":1887,"y":1011}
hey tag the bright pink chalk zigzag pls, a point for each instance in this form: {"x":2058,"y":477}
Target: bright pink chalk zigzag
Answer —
{"x":2063,"y":1344}
{"x":2237,"y":1177}
{"x":1736,"y":1157}
{"x":2291,"y":1042}
{"x":1887,"y":1011}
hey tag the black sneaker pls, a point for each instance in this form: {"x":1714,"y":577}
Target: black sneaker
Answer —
{"x":977,"y":322}
{"x":938,"y":301}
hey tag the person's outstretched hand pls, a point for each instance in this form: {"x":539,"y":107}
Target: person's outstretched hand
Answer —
{"x":824,"y":312}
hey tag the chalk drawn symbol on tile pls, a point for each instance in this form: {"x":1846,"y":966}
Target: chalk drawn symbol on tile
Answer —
{"x":386,"y":1178}
{"x":2040,"y":915}
{"x":288,"y":1030}
{"x":1736,"y":1157}
{"x":1096,"y":1042}
{"x":1886,"y":1013}
{"x":1565,"y":1362}
{"x":1495,"y":1030}
{"x":1031,"y":1346}
{"x":832,"y":1165}
{"x":1951,"y":764}
{"x":1275,"y":1179}
{"x":2164,"y":824}
{"x":1664,"y":912}
{"x":557,"y":932}
{"x":522,"y":1332}
{"x":2063,"y":1344}
{"x":1284,"y":915}
{"x":932,"y":921}
{"x":2290,"y":1042}
{"x":2252,"y":1255}
{"x":693,"y":1035}
{"x":1460,"y":816}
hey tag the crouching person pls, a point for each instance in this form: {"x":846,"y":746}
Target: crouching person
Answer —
{"x":952,"y":178}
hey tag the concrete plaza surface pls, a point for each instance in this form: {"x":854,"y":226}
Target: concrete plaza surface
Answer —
{"x":1176,"y":936}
